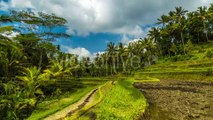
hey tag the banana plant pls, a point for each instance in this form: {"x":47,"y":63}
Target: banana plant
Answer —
{"x":32,"y":79}
{"x":14,"y":104}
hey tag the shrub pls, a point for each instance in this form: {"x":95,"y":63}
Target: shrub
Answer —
{"x":201,"y":50}
{"x":180,"y":57}
{"x":188,"y":46}
{"x":209,"y":53}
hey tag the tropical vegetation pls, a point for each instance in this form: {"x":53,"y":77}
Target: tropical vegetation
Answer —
{"x":32,"y":66}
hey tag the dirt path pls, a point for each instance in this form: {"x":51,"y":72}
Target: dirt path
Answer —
{"x":68,"y":111}
{"x":178,"y":100}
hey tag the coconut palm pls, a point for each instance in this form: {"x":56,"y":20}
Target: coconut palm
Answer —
{"x":180,"y":23}
{"x":111,"y":52}
{"x":149,"y":49}
{"x":163,"y":20}
{"x":202,"y":15}
{"x":121,"y":56}
{"x":194,"y":29}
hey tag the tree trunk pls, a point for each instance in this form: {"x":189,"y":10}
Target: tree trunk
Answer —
{"x":40,"y":60}
{"x":207,"y":38}
{"x":183,"y":43}
{"x":198,"y":39}
{"x":206,"y":32}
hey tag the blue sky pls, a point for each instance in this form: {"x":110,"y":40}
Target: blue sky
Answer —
{"x":94,"y":23}
{"x":94,"y":42}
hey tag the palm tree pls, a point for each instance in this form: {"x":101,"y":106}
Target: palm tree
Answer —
{"x":135,"y":55}
{"x":163,"y":20}
{"x":120,"y":48}
{"x":121,"y":56}
{"x":154,"y":34}
{"x":150,"y":49}
{"x":202,"y":15}
{"x":111,"y":49}
{"x":55,"y":69}
{"x":210,"y":19}
{"x":180,"y":23}
{"x":111,"y":52}
{"x":193,"y":26}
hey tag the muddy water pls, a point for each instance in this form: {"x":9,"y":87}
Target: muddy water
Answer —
{"x":178,"y":100}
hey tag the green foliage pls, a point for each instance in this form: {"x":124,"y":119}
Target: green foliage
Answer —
{"x":209,"y":53}
{"x":57,"y":92}
{"x":19,"y":99}
{"x":24,"y":61}
{"x":14,"y":104}
{"x":173,"y":49}
{"x":6,"y":29}
{"x":201,"y":49}
{"x":179,"y":58}
{"x":31,"y":66}
{"x":32,"y":79}
{"x":188,"y":47}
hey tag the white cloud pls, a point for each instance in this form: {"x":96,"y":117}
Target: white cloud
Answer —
{"x":132,"y":41}
{"x":125,"y":39}
{"x":3,"y":6}
{"x":135,"y":35}
{"x":10,"y":35}
{"x":111,"y":16}
{"x":80,"y":51}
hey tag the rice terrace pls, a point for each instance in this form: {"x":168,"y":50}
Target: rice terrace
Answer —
{"x":106,"y":60}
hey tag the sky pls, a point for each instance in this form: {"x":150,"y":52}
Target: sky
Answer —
{"x":94,"y":23}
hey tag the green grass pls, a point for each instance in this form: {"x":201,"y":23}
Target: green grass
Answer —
{"x":46,"y":108}
{"x":146,"y":79}
{"x":122,"y":102}
{"x":96,"y":98}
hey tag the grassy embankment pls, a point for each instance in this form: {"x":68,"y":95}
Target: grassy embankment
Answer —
{"x":52,"y":105}
{"x":121,"y":101}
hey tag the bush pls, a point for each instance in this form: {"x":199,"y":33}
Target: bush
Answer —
{"x":180,"y":58}
{"x":188,"y":46}
{"x":201,"y":50}
{"x":209,"y":53}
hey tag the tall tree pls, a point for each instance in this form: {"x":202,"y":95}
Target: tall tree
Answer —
{"x":111,"y":52}
{"x":202,"y":16}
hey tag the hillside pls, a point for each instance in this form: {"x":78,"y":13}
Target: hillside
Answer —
{"x":198,"y":65}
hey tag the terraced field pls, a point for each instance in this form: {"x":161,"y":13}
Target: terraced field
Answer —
{"x":173,"y":90}
{"x":182,"y":70}
{"x":178,"y":100}
{"x":184,"y":92}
